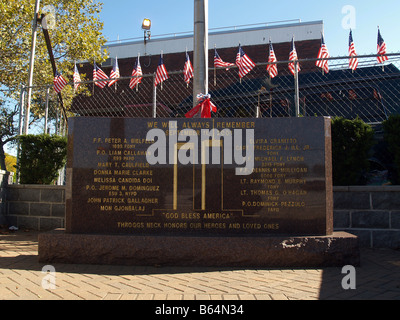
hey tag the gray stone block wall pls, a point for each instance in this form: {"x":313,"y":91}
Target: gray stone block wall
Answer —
{"x":38,"y":207}
{"x":371,"y":212}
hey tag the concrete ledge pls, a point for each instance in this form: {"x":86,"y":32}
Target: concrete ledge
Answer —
{"x":339,"y":249}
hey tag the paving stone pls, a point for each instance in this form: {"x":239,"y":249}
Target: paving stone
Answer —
{"x":21,"y":276}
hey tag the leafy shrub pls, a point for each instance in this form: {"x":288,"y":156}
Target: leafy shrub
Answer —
{"x":391,"y":128}
{"x":41,"y":157}
{"x":351,"y":143}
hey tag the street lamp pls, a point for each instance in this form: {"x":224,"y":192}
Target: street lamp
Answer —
{"x":146,"y":25}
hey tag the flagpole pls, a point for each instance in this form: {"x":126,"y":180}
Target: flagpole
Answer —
{"x":270,"y":102}
{"x":116,"y":65}
{"x":187,"y":83}
{"x":240,"y":79}
{"x":296,"y":89}
{"x":161,"y":81}
{"x":155,"y":97}
{"x":215,"y":69}
{"x":270,"y":95}
{"x":94,"y":66}
{"x":31,"y":65}
{"x":74,"y":74}
{"x":137,"y":84}
{"x":200,"y":52}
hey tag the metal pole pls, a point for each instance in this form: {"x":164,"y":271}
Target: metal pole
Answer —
{"x":296,"y":88}
{"x":258,"y":106}
{"x":20,"y":129}
{"x":200,"y":45}
{"x":21,"y":109}
{"x":31,"y":65}
{"x":154,"y":97}
{"x":46,"y":114}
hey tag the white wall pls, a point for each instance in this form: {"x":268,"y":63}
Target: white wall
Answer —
{"x":228,"y":39}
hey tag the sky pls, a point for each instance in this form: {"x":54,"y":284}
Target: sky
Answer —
{"x":123,"y":18}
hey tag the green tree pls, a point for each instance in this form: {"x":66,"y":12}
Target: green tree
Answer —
{"x":351,"y":143}
{"x":41,"y":158}
{"x":75,"y":36}
{"x":391,"y":129}
{"x":8,"y":132}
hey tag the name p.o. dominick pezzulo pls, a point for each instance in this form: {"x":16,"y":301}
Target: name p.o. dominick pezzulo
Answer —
{"x":166,"y":151}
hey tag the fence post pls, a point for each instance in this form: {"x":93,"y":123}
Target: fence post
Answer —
{"x":258,"y":105}
{"x":296,"y":88}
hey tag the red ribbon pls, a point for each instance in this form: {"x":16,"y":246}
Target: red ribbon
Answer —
{"x":205,"y":105}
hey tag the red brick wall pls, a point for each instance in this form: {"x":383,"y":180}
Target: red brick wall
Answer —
{"x":175,"y":90}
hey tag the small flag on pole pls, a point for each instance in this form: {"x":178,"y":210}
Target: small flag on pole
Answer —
{"x":353,"y":62}
{"x":273,"y":67}
{"x":244,"y":63}
{"x":219,"y":63}
{"x":161,"y":73}
{"x":352,"y":95}
{"x":187,"y":70}
{"x":99,"y":74}
{"x":59,"y":82}
{"x":293,"y":57}
{"x":381,"y":49}
{"x":137,"y":73}
{"x":77,"y":78}
{"x":114,"y":75}
{"x":323,"y":54}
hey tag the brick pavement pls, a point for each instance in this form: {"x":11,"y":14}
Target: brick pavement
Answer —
{"x":21,"y":277}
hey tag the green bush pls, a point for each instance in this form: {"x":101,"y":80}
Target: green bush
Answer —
{"x":391,"y":129}
{"x":41,"y":157}
{"x":351,"y":142}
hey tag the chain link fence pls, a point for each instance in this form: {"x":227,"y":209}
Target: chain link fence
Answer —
{"x":372,"y":93}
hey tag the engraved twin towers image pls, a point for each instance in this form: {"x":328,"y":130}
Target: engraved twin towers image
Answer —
{"x":205,"y":147}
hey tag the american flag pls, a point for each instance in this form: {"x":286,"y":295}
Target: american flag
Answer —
{"x":161,"y":73}
{"x":137,"y":73}
{"x":59,"y":82}
{"x":219,"y":63}
{"x":272,"y":68}
{"x":293,"y":57}
{"x":352,"y":95}
{"x":377,"y":95}
{"x":327,"y":95}
{"x":244,"y":63}
{"x":77,"y":78}
{"x":114,"y":73}
{"x":99,"y":74}
{"x":188,"y":69}
{"x":323,"y":54}
{"x":381,"y":49}
{"x":353,"y":62}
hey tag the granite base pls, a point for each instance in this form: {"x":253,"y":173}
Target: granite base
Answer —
{"x":335,"y":250}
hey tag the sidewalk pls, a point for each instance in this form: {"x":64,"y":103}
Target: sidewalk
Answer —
{"x":21,"y":277}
